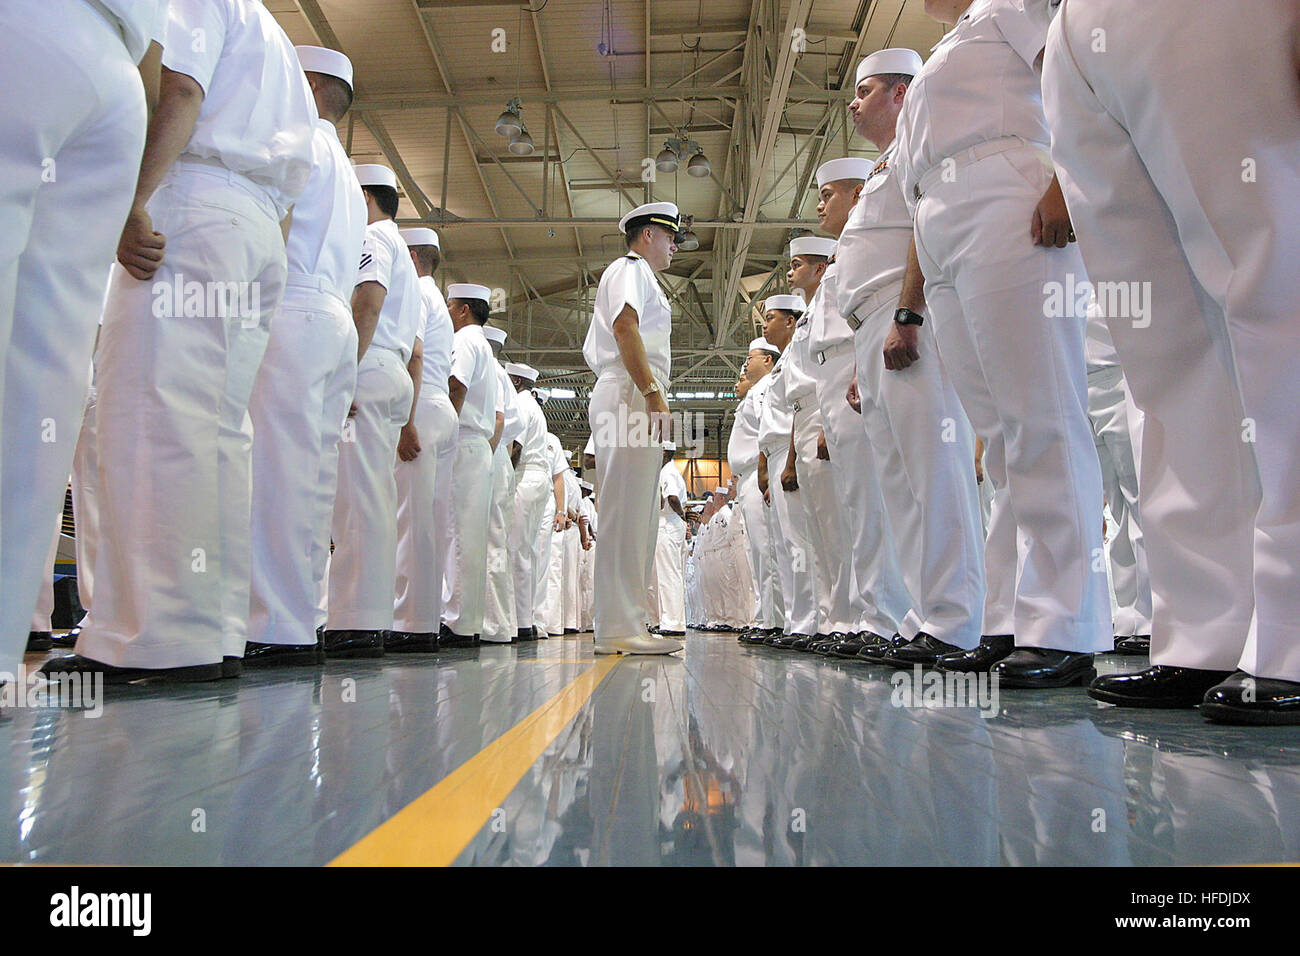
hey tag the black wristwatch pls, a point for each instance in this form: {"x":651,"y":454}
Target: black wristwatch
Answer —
{"x":908,"y":317}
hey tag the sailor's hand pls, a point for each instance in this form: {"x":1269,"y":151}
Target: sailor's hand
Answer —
{"x":900,"y":347}
{"x":852,"y":396}
{"x":1051,"y":225}
{"x":656,"y":407}
{"x":408,"y":443}
{"x":823,"y":453}
{"x":140,"y":249}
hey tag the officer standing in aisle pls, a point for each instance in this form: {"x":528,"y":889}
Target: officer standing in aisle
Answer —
{"x":425,"y":454}
{"x":628,"y":347}
{"x":387,"y":311}
{"x":305,"y":384}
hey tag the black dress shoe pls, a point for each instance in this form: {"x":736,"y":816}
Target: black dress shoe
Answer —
{"x":1158,"y":686}
{"x":786,"y":642}
{"x":410,"y":642}
{"x":1242,"y":699}
{"x":876,"y":653}
{"x":39,"y":641}
{"x":257,"y":654}
{"x":849,"y":647}
{"x":231,"y":667}
{"x":449,"y":638}
{"x":1138,"y":645}
{"x":351,"y":644}
{"x":756,"y":635}
{"x":992,"y":648}
{"x":67,"y":640}
{"x":1040,"y":667}
{"x":802,"y":642}
{"x":924,"y":649}
{"x":662,"y":633}
{"x":76,"y":664}
{"x":525,"y":634}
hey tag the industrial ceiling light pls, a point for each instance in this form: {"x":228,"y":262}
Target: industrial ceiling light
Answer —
{"x":666,"y":161}
{"x":676,"y":151}
{"x":699,"y":166}
{"x":509,"y":123}
{"x":690,"y":241}
{"x":521,"y":144}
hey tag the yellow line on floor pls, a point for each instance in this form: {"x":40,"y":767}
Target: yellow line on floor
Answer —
{"x":433,"y":829}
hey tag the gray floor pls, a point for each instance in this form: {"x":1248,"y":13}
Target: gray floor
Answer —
{"x":731,"y":756}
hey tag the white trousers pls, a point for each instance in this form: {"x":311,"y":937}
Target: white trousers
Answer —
{"x":499,"y":610}
{"x":73,"y":116}
{"x":628,"y":468}
{"x":587,"y":585}
{"x":1021,"y":376}
{"x":758,"y":519}
{"x":173,"y":570}
{"x":1213,"y":364}
{"x":45,"y":597}
{"x":878,"y":595}
{"x":670,"y":575}
{"x":531,"y":495}
{"x":572,"y":539}
{"x":924,"y":458}
{"x":1109,"y":411}
{"x":417,"y":608}
{"x":542,"y":566}
{"x":85,"y":501}
{"x":363,"y":571}
{"x":825,"y":523}
{"x":552,"y":606}
{"x":293,"y":430}
{"x":741,"y":607}
{"x":794,"y":555}
{"x":465,"y":581}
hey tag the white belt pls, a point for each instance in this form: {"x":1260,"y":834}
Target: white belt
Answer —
{"x":805,"y":400}
{"x":213,"y":167}
{"x":831,"y":351}
{"x":935,"y":174}
{"x":296,"y":280}
{"x":617,"y":368}
{"x":869,"y":305}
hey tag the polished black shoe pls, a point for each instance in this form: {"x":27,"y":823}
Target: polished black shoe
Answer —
{"x":823,"y":644}
{"x":991,"y":649}
{"x":1159,"y":686}
{"x":257,"y":654}
{"x":39,"y":641}
{"x":351,"y":644}
{"x":525,"y":634}
{"x":67,"y":640}
{"x":662,"y":633}
{"x":786,"y":642}
{"x":1242,"y":699}
{"x":1137,"y":645}
{"x":924,"y":649}
{"x":1039,"y":667}
{"x":849,"y":647}
{"x":757,"y":635}
{"x":231,"y":667}
{"x":410,"y":642}
{"x":76,"y":664}
{"x":802,"y":642}
{"x":449,"y":638}
{"x":876,"y":653}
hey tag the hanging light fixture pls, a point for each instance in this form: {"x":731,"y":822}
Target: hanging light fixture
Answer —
{"x":699,"y":166}
{"x":689,"y":241}
{"x":676,"y":151}
{"x":666,"y":161}
{"x":521,"y":144}
{"x":509,"y":123}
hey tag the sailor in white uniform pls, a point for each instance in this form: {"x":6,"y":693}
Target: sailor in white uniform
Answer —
{"x":473,"y":389}
{"x":533,"y":489}
{"x":587,"y":567}
{"x":74,"y":116}
{"x":549,"y":566}
{"x":742,"y":456}
{"x":388,"y":313}
{"x":304,"y":386}
{"x":668,"y":547}
{"x":922,"y":444}
{"x":499,"y":624}
{"x":179,"y":350}
{"x":1180,"y":185}
{"x":628,"y":347}
{"x":425,"y":456}
{"x":992,"y":239}
{"x":570,"y":552}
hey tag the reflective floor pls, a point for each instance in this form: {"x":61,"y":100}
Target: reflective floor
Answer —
{"x":731,"y":756}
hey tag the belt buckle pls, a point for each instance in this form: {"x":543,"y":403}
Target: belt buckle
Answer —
{"x":795,"y":405}
{"x":821,"y":357}
{"x":853,"y":322}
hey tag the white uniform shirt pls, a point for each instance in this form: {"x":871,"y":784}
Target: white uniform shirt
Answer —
{"x":742,"y":446}
{"x":587,"y":508}
{"x":776,"y":421}
{"x":258,"y":112}
{"x":436,"y":338}
{"x":508,"y":405}
{"x":800,"y":380}
{"x":329,"y":220}
{"x":384,"y":259}
{"x":671,"y":484}
{"x":826,"y":326}
{"x":979,"y":84}
{"x":555,"y":452}
{"x":140,"y":21}
{"x":629,"y":280}
{"x":872,"y":251}
{"x":532,"y":439}
{"x":474,"y":366}
{"x":572,"y":490}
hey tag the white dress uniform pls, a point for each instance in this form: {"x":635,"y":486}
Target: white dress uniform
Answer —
{"x":499,"y":622}
{"x":73,"y":115}
{"x":304,"y":387}
{"x":627,"y":464}
{"x":759,"y":520}
{"x":176,"y":373}
{"x":85,"y":500}
{"x":923,"y":447}
{"x":425,"y":482}
{"x":973,"y":164}
{"x":793,"y":552}
{"x":547,"y":587}
{"x":668,"y":551}
{"x":532,"y":491}
{"x":571,"y":544}
{"x":587,"y":564}
{"x":1189,"y":190}
{"x":363,"y":571}
{"x":1108,"y":408}
{"x":465,"y":581}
